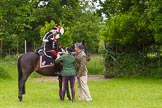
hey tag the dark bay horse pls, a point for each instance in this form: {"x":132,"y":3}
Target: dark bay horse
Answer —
{"x":29,"y":63}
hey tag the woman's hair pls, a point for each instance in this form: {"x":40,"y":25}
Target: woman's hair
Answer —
{"x":79,"y":45}
{"x":69,"y":49}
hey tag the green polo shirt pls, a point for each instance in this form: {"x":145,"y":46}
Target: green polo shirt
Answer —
{"x":68,"y":64}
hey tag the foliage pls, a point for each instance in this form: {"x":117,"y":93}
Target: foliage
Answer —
{"x":132,"y":65}
{"x":154,"y":15}
{"x":88,"y":31}
{"x":3,"y":73}
{"x":28,"y":20}
{"x":131,"y":26}
{"x":128,"y":32}
{"x":8,"y":67}
{"x":46,"y":28}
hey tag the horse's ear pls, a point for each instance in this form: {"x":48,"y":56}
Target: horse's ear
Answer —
{"x":83,"y":42}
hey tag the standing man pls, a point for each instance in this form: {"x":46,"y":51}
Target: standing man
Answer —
{"x":82,"y":71}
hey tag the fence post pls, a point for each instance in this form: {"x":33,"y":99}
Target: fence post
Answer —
{"x":158,"y":54}
{"x":159,"y":59}
{"x":34,"y":45}
{"x":143,"y":64}
{"x":17,"y":47}
{"x":25,"y":46}
{"x":1,"y":46}
{"x":9,"y":51}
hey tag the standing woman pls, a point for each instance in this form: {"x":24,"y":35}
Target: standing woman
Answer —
{"x":82,"y":71}
{"x":68,"y":71}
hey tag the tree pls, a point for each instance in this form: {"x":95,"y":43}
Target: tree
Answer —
{"x":87,"y":28}
{"x":25,"y":19}
{"x":153,"y":13}
{"x":132,"y":28}
{"x":128,"y":27}
{"x":114,"y":7}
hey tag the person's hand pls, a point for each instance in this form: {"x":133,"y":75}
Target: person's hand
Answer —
{"x":58,"y":55}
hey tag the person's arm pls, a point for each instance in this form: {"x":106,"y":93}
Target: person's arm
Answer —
{"x":45,"y":37}
{"x":59,"y":58}
{"x":82,"y":66}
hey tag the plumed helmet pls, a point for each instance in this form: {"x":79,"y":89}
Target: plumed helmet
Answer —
{"x":59,"y":29}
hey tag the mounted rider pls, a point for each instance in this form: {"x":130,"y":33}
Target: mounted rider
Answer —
{"x":51,"y":47}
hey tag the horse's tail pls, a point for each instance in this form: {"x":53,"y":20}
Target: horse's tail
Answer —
{"x":20,"y":74}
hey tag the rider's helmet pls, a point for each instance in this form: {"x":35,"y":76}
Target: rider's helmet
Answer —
{"x":59,"y":30}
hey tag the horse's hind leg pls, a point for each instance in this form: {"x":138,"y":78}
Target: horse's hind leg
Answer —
{"x":21,"y":88}
{"x":22,"y":85}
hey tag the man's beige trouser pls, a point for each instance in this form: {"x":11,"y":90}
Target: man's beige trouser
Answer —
{"x":83,"y":89}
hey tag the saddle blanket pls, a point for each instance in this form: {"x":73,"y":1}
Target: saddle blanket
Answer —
{"x":46,"y":61}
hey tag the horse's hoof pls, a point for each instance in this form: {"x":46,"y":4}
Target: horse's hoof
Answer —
{"x":60,"y":98}
{"x":20,"y":98}
{"x":69,"y":98}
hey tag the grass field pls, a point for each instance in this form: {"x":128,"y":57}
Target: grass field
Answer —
{"x":95,"y":66}
{"x":111,"y":93}
{"x":114,"y":93}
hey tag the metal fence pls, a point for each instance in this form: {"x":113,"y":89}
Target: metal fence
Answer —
{"x":141,"y":62}
{"x":9,"y":48}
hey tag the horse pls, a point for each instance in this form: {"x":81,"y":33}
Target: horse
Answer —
{"x":28,"y":63}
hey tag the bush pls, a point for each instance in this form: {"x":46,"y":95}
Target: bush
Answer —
{"x":3,"y":73}
{"x":8,"y":67}
{"x":110,"y":65}
{"x":128,"y":64}
{"x":12,"y":58}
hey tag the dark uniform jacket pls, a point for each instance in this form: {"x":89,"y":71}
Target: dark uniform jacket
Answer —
{"x":50,"y":44}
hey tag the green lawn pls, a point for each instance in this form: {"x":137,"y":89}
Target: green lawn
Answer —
{"x":114,"y":93}
{"x":95,"y":65}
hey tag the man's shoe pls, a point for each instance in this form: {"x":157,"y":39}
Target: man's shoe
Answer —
{"x":80,"y":100}
{"x":90,"y":100}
